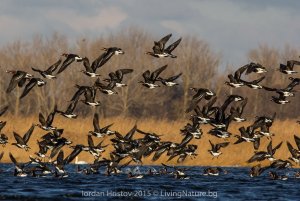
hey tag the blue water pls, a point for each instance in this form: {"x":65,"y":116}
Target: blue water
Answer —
{"x":236,"y":185}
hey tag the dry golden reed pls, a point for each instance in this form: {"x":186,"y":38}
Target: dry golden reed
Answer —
{"x":76,"y":130}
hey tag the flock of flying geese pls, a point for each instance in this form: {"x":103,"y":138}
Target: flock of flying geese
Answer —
{"x":129,"y":146}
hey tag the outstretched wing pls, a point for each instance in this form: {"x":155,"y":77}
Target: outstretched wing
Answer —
{"x":122,"y":72}
{"x":50,"y":117}
{"x":16,"y":78}
{"x":90,"y":141}
{"x":18,"y":138}
{"x":297,"y":140}
{"x":157,"y":72}
{"x":72,"y":155}
{"x":173,"y":78}
{"x":96,"y":122}
{"x":66,"y":63}
{"x":28,"y":87}
{"x":3,"y":110}
{"x":72,"y":106}
{"x":96,"y":63}
{"x":86,"y":64}
{"x":171,"y":47}
{"x":239,"y":72}
{"x":53,"y":67}
{"x":223,"y":145}
{"x":160,"y":45}
{"x":146,"y":75}
{"x":129,"y":135}
{"x":28,"y":134}
{"x":42,"y":119}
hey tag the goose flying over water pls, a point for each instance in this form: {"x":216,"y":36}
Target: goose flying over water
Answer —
{"x":47,"y":124}
{"x":262,"y":155}
{"x":100,"y":132}
{"x":22,"y":141}
{"x":257,"y":170}
{"x":214,"y":151}
{"x":3,"y":137}
{"x":247,"y":136}
{"x":20,"y":170}
{"x":295,"y":152}
{"x":61,"y":161}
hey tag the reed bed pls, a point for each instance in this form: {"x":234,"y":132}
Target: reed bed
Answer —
{"x":76,"y":130}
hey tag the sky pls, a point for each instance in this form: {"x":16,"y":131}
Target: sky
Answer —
{"x":231,"y":27}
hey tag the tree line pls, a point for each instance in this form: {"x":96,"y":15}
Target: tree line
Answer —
{"x":200,"y":64}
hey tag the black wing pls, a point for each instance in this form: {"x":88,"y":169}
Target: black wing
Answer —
{"x":106,"y":57}
{"x":71,"y":106}
{"x":60,"y":158}
{"x":56,"y":149}
{"x":90,"y":141}
{"x":12,"y":158}
{"x":156,"y":73}
{"x":18,"y":138}
{"x":96,"y":122}
{"x":28,"y":87}
{"x":297,"y":140}
{"x":53,"y":67}
{"x":27,"y":135}
{"x":3,"y":110}
{"x":121,"y":72}
{"x":81,"y":90}
{"x":2,"y":124}
{"x":291,"y":149}
{"x":171,"y":47}
{"x":160,"y":45}
{"x":186,"y":140}
{"x":42,"y":119}
{"x":1,"y":155}
{"x":16,"y":78}
{"x":146,"y":75}
{"x":72,"y":155}
{"x":129,"y":135}
{"x":96,"y":63}
{"x":239,"y":72}
{"x":66,"y":63}
{"x":113,"y":76}
{"x":223,"y":145}
{"x":173,"y":78}
{"x":86,"y":64}
{"x":50,"y":117}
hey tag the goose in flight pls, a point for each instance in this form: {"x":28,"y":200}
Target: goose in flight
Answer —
{"x":48,"y":73}
{"x":151,"y":78}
